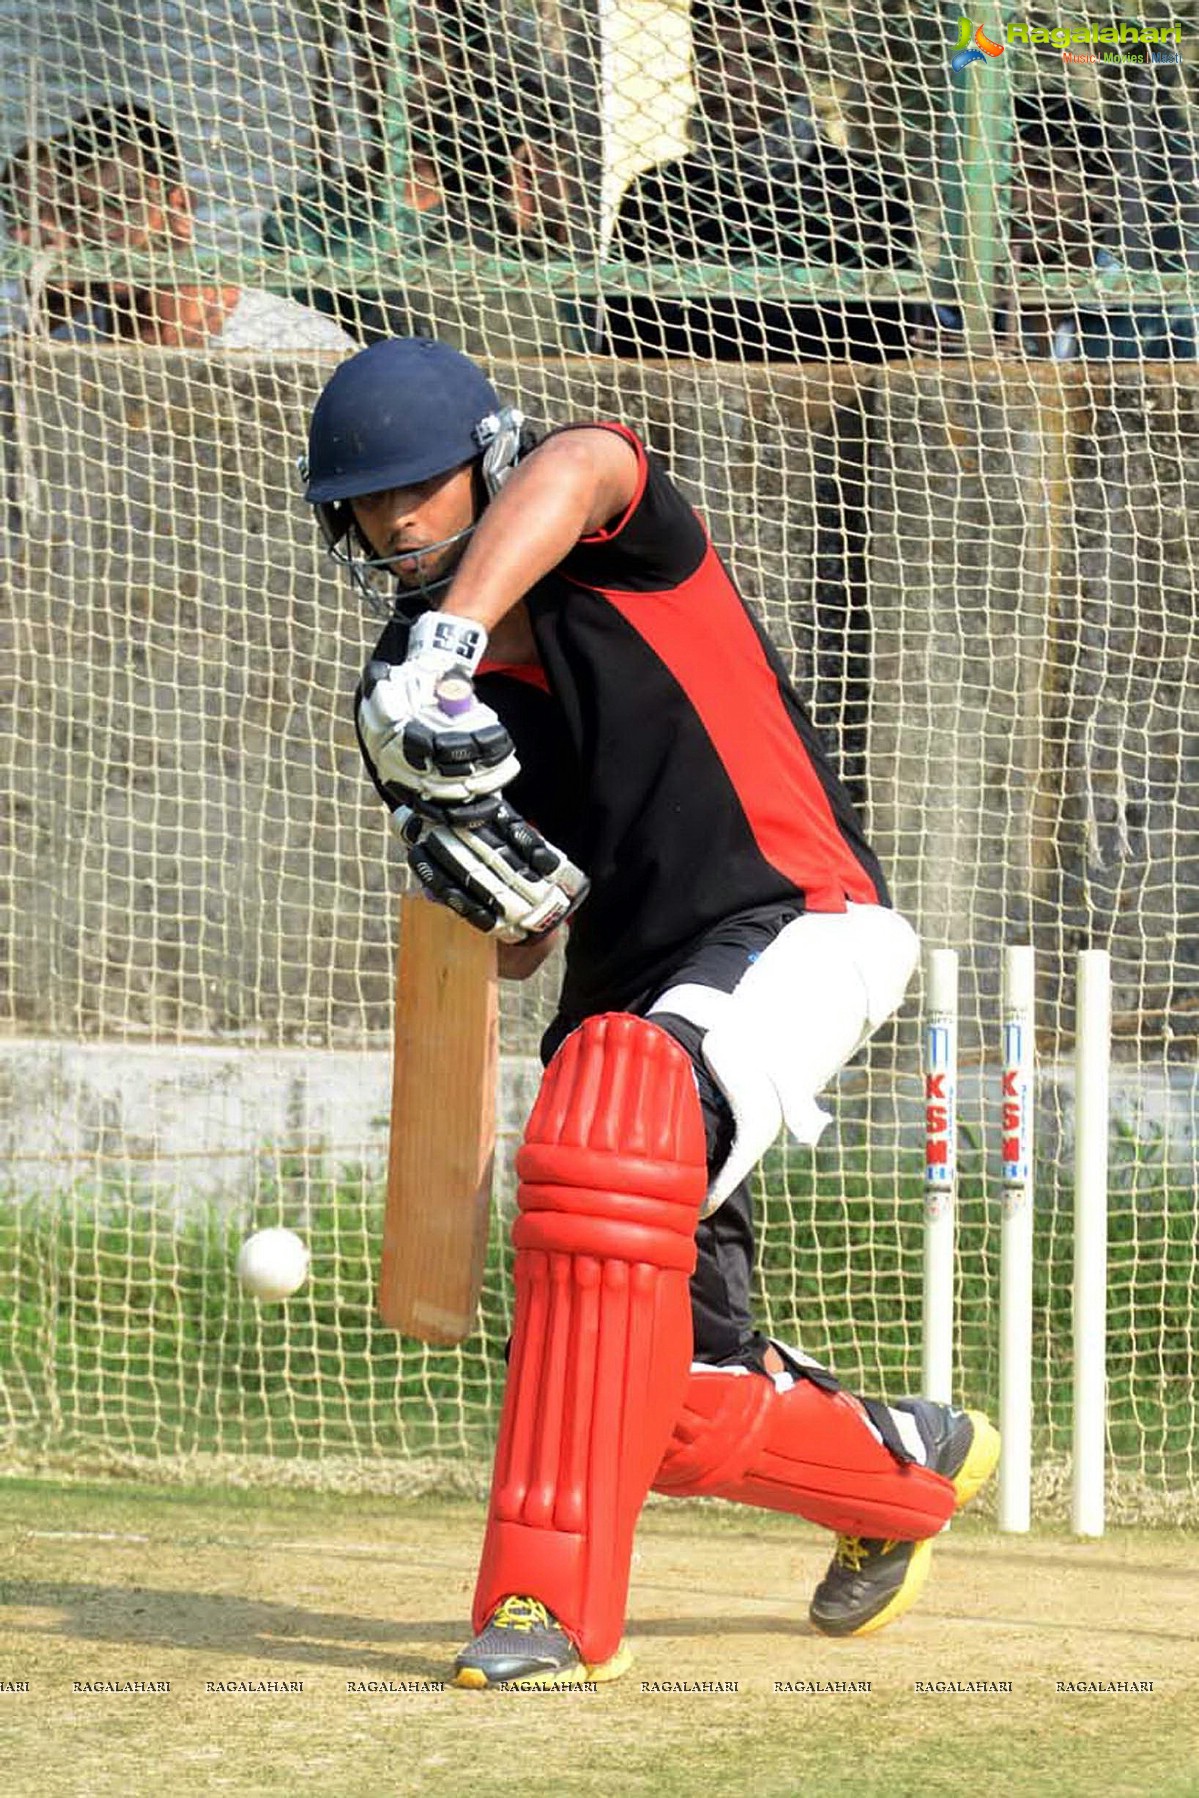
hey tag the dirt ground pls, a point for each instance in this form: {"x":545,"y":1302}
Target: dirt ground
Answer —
{"x":295,"y":1642}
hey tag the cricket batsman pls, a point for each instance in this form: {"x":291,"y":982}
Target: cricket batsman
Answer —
{"x":628,"y":766}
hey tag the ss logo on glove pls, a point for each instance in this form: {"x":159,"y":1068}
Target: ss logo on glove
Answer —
{"x":446,"y":754}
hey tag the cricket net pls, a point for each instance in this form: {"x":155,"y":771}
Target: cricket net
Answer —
{"x":920,"y":344}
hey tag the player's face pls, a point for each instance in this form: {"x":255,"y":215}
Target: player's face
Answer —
{"x":403,"y":525}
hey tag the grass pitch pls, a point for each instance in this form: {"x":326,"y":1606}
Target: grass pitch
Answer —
{"x":302,"y":1638}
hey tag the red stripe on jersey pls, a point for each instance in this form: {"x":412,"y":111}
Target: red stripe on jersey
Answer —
{"x":703,"y":634}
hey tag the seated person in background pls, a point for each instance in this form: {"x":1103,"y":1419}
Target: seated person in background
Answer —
{"x":759,"y":186}
{"x":347,"y":213}
{"x":120,"y":187}
{"x":1064,"y":216}
{"x":362,"y":202}
{"x":506,"y":180}
{"x":494,"y":183}
{"x":30,"y":183}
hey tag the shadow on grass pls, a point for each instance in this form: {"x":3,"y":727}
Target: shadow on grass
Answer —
{"x":255,"y":1631}
{"x":147,"y":1617}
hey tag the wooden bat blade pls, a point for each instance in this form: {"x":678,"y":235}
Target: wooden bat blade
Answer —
{"x":443,"y":1125}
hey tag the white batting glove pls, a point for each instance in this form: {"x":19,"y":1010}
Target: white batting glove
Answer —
{"x":421,"y":723}
{"x":502,"y":876}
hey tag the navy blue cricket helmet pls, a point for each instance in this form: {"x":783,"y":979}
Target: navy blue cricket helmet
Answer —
{"x":400,"y":412}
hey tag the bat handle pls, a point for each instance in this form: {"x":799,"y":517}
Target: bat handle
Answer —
{"x":455,"y":693}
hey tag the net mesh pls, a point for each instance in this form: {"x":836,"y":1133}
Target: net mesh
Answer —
{"x":918,"y":341}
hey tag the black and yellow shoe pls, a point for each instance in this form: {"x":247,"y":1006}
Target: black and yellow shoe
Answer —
{"x":871,"y":1581}
{"x":524,"y":1644}
{"x":968,"y":1461}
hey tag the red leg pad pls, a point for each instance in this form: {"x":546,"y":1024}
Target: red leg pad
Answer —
{"x":612,"y":1175}
{"x":804,"y":1450}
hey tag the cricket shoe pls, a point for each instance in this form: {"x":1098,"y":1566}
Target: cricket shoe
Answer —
{"x":871,"y":1580}
{"x":523,"y":1644}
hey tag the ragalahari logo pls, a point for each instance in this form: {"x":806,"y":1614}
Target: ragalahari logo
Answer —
{"x":973,"y":45}
{"x":1122,"y":40}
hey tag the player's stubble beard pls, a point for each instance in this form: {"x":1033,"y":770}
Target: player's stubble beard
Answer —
{"x":414,"y":570}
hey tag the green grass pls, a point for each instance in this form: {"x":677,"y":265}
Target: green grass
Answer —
{"x":123,"y":1322}
{"x":122,"y":1326}
{"x":112,"y":1581}
{"x":841,"y":1273}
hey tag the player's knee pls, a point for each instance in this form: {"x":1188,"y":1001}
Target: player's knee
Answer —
{"x":613,"y":1162}
{"x":715,"y":1108}
{"x":716,"y":1432}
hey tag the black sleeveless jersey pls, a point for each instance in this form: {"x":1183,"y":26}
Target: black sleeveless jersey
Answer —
{"x":664,"y":749}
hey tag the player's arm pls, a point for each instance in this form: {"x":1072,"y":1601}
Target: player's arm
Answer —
{"x":569,"y":487}
{"x":452,"y":769}
{"x":519,"y":961}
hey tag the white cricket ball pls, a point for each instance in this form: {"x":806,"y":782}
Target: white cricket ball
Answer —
{"x":272,"y":1264}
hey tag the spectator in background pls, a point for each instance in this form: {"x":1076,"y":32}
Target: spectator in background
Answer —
{"x":497,"y":188}
{"x":30,"y":196}
{"x":1064,"y":216}
{"x":759,"y":186}
{"x":481,"y":166}
{"x":355,"y":208}
{"x":347,"y":215}
{"x":114,"y":182}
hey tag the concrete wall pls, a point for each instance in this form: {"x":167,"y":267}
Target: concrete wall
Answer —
{"x":188,"y":1125}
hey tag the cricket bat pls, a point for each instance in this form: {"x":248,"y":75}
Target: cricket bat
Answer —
{"x":443,"y":1125}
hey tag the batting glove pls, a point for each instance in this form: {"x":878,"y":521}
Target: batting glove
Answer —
{"x":502,"y":876}
{"x":423,"y":727}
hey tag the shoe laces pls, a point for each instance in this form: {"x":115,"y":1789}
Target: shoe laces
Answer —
{"x":523,"y":1614}
{"x":853,"y":1552}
